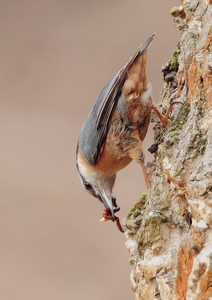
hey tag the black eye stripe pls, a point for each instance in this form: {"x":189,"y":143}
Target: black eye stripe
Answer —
{"x":90,"y":189}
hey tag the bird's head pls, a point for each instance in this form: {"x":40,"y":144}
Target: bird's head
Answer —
{"x":98,"y":184}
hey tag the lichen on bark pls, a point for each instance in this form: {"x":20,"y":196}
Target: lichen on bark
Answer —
{"x":170,"y":256}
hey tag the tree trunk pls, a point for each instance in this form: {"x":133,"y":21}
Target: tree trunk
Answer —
{"x":168,"y":231}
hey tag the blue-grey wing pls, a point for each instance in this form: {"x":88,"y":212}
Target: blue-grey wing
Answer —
{"x":94,"y":131}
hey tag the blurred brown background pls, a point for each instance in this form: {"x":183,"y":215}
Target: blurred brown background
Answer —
{"x":56,"y":56}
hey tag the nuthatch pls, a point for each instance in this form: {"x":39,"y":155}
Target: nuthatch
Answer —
{"x":115,"y":128}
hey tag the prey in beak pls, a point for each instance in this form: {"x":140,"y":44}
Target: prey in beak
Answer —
{"x":109,"y":204}
{"x":109,"y":214}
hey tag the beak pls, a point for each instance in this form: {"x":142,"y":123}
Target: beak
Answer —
{"x":107,"y":203}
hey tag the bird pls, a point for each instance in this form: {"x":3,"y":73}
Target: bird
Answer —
{"x":115,"y":128}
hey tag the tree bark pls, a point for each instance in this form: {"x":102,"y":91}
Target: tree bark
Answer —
{"x":169,"y":230}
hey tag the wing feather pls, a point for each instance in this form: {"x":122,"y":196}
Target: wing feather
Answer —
{"x":94,"y":131}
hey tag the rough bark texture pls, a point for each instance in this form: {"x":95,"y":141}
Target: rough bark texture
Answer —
{"x":168,"y":231}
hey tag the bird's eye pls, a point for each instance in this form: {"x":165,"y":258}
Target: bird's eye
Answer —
{"x":87,"y":185}
{"x":90,"y":189}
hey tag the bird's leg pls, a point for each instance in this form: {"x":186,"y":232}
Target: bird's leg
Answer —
{"x":137,"y":154}
{"x":164,"y":119}
{"x":145,"y":174}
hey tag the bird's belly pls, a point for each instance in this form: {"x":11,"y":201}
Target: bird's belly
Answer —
{"x":112,"y":159}
{"x":125,"y":134}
